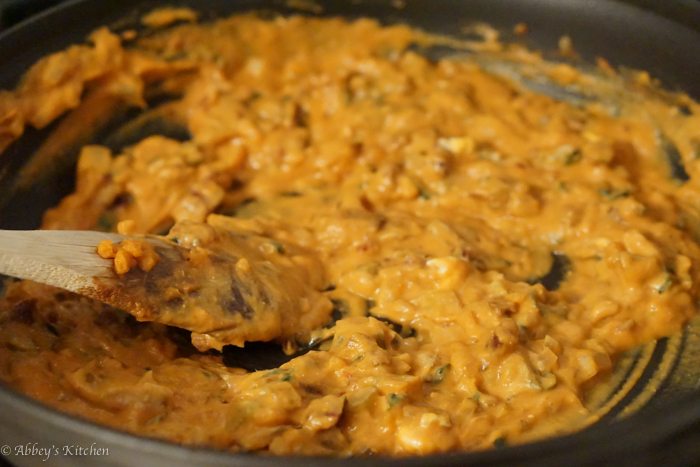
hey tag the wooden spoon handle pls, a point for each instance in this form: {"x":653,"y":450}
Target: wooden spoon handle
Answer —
{"x":61,"y":258}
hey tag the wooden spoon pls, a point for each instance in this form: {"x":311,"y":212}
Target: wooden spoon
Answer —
{"x":201,"y":289}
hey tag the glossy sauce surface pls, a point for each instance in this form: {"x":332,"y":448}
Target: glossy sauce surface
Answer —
{"x":431,"y":197}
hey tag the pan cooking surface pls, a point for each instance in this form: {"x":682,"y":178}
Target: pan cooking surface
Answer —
{"x":652,"y":353}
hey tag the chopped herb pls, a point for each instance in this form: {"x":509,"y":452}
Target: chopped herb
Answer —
{"x":613,"y":194}
{"x":500,"y":442}
{"x":394,"y":399}
{"x":556,"y":310}
{"x":316,"y":343}
{"x":423,"y":193}
{"x":279,"y":248}
{"x":107,"y":221}
{"x":523,"y":332}
{"x":247,"y":201}
{"x":284,"y":375}
{"x":665,"y":285}
{"x":684,"y":110}
{"x":674,"y":160}
{"x":440,"y":373}
{"x":172,"y":56}
{"x":573,"y":157}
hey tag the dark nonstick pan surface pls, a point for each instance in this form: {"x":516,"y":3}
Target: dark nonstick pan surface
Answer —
{"x":660,"y":37}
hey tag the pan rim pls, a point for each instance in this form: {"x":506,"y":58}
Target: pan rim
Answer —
{"x":686,"y":411}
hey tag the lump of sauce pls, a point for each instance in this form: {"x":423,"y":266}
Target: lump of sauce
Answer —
{"x":221,"y":280}
{"x":430,"y":193}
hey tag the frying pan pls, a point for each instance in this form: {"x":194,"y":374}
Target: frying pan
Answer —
{"x":663,"y":397}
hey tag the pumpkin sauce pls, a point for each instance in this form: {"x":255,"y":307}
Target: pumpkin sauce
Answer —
{"x":489,"y":250}
{"x":225,"y":283}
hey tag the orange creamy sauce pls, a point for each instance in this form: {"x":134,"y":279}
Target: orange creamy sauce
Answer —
{"x":222,"y":280}
{"x":431,"y":194}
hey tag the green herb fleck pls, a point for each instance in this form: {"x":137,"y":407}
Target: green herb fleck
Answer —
{"x":500,"y":442}
{"x":613,"y":194}
{"x":107,"y":221}
{"x":573,"y":157}
{"x":674,"y":159}
{"x":286,"y":377}
{"x":439,"y":373}
{"x":665,"y":285}
{"x":394,"y":399}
